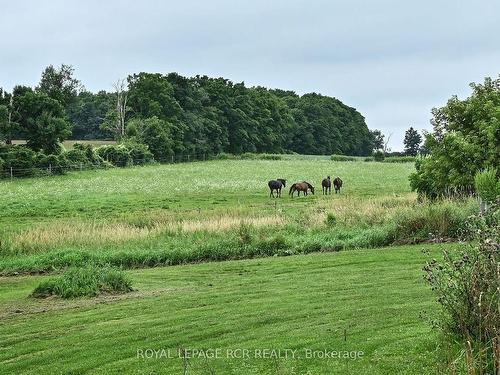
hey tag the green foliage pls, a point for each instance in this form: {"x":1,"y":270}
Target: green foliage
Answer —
{"x":139,"y":152}
{"x":379,"y":155}
{"x":466,"y":139}
{"x":155,"y":134}
{"x":42,"y":121}
{"x":466,"y":283}
{"x":331,"y":220}
{"x":343,"y":158}
{"x":400,"y":159}
{"x":84,"y":282}
{"x":412,"y":142}
{"x":18,"y":157}
{"x":487,"y":184}
{"x":86,"y":114}
{"x":118,"y":155}
{"x":59,"y":84}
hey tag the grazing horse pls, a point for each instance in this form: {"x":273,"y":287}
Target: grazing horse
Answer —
{"x":301,"y":187}
{"x":326,"y":185}
{"x":276,"y":185}
{"x":337,"y":184}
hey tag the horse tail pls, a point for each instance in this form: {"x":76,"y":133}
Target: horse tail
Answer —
{"x":292,"y":189}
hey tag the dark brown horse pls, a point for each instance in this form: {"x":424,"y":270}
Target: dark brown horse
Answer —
{"x":337,"y":184}
{"x":326,"y":184}
{"x":276,"y":185}
{"x":301,"y":187}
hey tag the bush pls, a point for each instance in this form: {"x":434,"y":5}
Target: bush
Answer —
{"x":437,"y":222}
{"x":378,"y":155}
{"x":400,"y":159}
{"x":269,"y":157}
{"x":55,"y":164}
{"x":19,"y":157}
{"x":343,"y":158}
{"x":224,"y":156}
{"x":118,"y":155}
{"x":487,"y":184}
{"x":139,"y":153}
{"x":467,"y":287}
{"x":87,"y":281}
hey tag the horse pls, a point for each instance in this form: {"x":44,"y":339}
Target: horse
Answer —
{"x":337,"y":184}
{"x":276,"y":185}
{"x":301,"y":187}
{"x":326,"y":185}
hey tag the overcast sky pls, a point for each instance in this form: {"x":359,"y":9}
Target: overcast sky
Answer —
{"x":392,"y":60}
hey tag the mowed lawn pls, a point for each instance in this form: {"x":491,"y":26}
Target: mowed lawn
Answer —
{"x":366,"y":301}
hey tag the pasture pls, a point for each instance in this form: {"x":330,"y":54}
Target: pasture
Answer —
{"x":303,"y":287}
{"x":366,"y":301}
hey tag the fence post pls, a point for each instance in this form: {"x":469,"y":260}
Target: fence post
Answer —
{"x":50,"y":168}
{"x":172,"y":159}
{"x":188,"y":157}
{"x":81,"y":167}
{"x":11,"y":174}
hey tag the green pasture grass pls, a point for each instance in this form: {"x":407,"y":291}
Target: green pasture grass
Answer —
{"x":368,"y":301}
{"x":203,"y":185}
{"x":132,"y":217}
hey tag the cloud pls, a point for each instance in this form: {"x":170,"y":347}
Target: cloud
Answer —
{"x":392,"y":60}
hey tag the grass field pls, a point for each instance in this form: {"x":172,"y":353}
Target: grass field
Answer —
{"x":183,"y":213}
{"x":285,"y":282}
{"x":298,"y":302}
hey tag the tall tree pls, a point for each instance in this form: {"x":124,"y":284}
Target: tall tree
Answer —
{"x":412,"y":142}
{"x":59,"y":84}
{"x":7,"y":125}
{"x":42,"y":121}
{"x":465,"y":140}
{"x":377,"y":139}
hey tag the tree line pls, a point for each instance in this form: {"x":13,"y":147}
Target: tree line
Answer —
{"x":172,"y":114}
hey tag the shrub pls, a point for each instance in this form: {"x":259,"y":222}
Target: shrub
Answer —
{"x":400,"y":159}
{"x":139,"y":153}
{"x":467,"y":285}
{"x":118,"y":155}
{"x":224,"y":156}
{"x":247,"y":155}
{"x":19,"y":157}
{"x":87,"y":281}
{"x":57,"y":164}
{"x":487,"y":184}
{"x":378,"y":155}
{"x":436,"y":222}
{"x":343,"y":158}
{"x":269,"y":157}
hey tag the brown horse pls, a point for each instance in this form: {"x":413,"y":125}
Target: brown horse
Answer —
{"x":301,"y":187}
{"x":337,"y":184}
{"x":326,"y":184}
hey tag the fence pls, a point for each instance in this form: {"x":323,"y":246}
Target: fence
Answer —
{"x":11,"y":172}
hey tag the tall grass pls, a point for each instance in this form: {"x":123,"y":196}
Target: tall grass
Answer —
{"x":84,"y":281}
{"x":380,"y":223}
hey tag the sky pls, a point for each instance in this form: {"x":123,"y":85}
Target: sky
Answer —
{"x":392,"y":60}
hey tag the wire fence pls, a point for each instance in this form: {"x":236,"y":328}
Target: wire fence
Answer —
{"x":11,"y":172}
